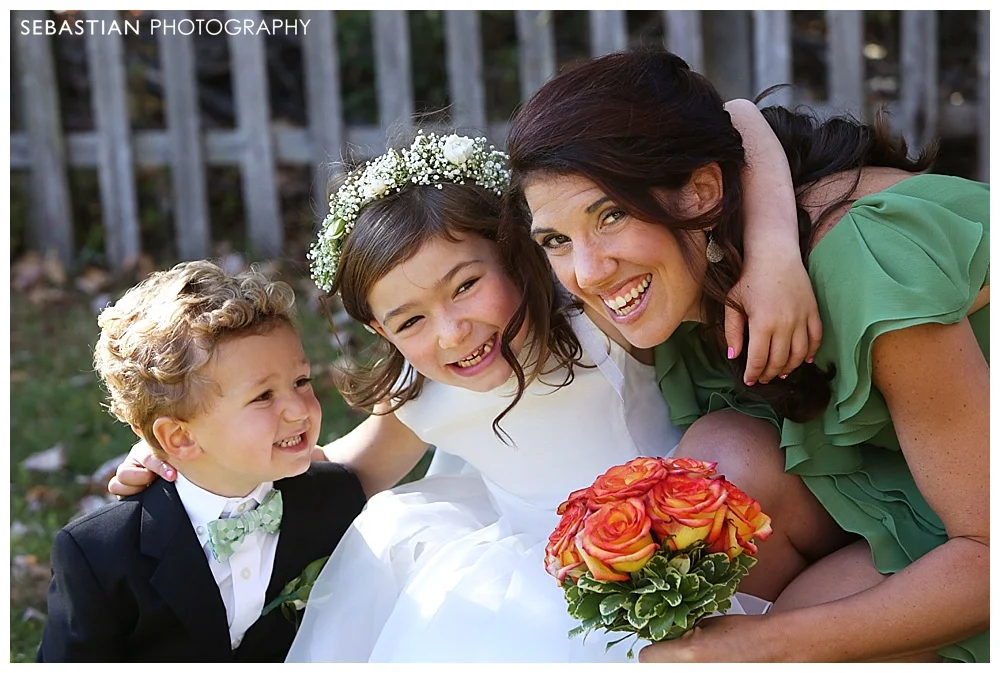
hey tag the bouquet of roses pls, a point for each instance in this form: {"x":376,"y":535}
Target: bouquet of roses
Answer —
{"x":653,"y":546}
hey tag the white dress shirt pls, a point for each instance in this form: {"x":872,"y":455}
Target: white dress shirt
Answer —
{"x":244,"y":576}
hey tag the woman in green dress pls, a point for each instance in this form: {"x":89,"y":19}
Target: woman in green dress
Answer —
{"x":884,"y":439}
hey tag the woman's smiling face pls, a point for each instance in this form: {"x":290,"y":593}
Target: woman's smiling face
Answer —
{"x":633,"y":271}
{"x":445,"y":309}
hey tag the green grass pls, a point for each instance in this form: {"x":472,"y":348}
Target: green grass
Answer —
{"x":55,"y":399}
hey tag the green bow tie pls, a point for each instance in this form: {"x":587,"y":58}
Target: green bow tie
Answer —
{"x":224,"y":535}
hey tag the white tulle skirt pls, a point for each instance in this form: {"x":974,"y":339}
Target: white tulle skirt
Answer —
{"x":430,"y":572}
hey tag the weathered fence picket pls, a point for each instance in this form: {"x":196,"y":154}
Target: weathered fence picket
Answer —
{"x":742,"y":51}
{"x":322,"y":72}
{"x":49,"y":186}
{"x":187,"y":168}
{"x":116,"y":167}
{"x":608,"y":31}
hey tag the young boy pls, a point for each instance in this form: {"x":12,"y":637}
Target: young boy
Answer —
{"x":208,"y":369}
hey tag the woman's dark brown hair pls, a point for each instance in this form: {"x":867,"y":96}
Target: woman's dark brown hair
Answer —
{"x":640,"y":122}
{"x":390,"y":231}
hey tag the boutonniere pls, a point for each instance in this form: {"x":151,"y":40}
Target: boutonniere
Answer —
{"x":295,"y":594}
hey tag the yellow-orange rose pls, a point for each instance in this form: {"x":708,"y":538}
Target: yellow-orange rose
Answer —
{"x":615,"y":540}
{"x":562,"y":558}
{"x":630,"y":480}
{"x":690,"y":466}
{"x":686,"y":509}
{"x":581,"y":494}
{"x":744,"y":521}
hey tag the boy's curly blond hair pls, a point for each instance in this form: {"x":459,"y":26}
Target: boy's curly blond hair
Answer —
{"x":156,"y":339}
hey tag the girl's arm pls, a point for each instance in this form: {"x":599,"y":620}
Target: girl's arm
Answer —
{"x":936,"y":384}
{"x":774,"y":289}
{"x":380,"y":451}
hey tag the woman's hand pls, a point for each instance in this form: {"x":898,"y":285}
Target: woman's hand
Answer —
{"x":735,"y":638}
{"x":785,"y":329}
{"x":138,"y":471}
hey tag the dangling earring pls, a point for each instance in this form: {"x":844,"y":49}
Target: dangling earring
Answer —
{"x":370,"y":329}
{"x":713,"y":252}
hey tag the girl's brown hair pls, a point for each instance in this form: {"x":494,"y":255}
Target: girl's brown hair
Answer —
{"x":390,"y":231}
{"x":642,"y":121}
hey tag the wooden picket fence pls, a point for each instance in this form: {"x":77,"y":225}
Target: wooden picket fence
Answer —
{"x":758,"y":52}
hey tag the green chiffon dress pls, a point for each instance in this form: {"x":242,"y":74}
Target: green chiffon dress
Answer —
{"x":915,"y":253}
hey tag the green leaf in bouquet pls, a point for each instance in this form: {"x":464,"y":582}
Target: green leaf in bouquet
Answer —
{"x":645,"y":605}
{"x":724,"y":605}
{"x":671,"y":598}
{"x":637,"y":622}
{"x":656,"y":567}
{"x":611,"y":604}
{"x":645,"y":586}
{"x":588,"y":583}
{"x":609,"y":619}
{"x":572,"y":594}
{"x":587,"y":607}
{"x":681,"y":562}
{"x":689,"y":585}
{"x":660,"y":625}
{"x":681,"y":615}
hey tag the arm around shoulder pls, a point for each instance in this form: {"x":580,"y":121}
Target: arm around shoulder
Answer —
{"x":83,"y":625}
{"x":380,"y":451}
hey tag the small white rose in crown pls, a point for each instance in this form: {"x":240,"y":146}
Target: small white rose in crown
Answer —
{"x":458,"y":149}
{"x":375,"y":187}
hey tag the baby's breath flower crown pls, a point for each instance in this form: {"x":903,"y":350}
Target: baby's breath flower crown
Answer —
{"x":430,"y":160}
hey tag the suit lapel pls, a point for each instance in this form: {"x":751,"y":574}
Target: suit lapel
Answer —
{"x":289,"y":557}
{"x":182,"y":577}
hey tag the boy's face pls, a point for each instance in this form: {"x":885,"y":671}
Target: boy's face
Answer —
{"x":445,"y":309}
{"x":265,"y":420}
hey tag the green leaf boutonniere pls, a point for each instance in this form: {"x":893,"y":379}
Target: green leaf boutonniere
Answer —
{"x":295,"y":594}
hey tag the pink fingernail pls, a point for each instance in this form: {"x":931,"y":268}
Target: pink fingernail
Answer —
{"x":731,"y":354}
{"x":783,"y":376}
{"x":810,"y":360}
{"x":750,"y":383}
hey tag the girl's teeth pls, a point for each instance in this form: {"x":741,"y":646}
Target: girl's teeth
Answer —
{"x":290,"y":442}
{"x":478,"y":356}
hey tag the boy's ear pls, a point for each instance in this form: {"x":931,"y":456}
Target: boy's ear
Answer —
{"x":377,"y":328}
{"x":175,"y":438}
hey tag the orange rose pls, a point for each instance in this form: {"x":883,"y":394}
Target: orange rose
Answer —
{"x":562,"y":558}
{"x":686,"y":509}
{"x":744,"y":521}
{"x":630,"y":480}
{"x":615,"y":540}
{"x":581,"y":494}
{"x":690,"y":466}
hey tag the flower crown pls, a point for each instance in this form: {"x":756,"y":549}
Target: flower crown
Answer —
{"x":430,"y":160}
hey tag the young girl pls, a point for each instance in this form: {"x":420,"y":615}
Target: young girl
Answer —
{"x":451,"y":567}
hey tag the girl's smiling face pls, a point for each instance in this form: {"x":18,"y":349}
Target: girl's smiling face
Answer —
{"x":631,"y":271}
{"x":445,"y":310}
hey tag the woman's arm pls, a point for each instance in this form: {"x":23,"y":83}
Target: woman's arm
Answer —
{"x":936,"y":384}
{"x":380,"y":451}
{"x":774,"y":289}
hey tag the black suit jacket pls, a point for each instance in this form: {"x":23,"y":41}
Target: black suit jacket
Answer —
{"x":130,"y":582}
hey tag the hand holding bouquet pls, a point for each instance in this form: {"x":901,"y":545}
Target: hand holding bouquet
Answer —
{"x":654,"y":546}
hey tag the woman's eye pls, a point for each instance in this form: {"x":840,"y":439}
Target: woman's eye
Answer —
{"x":264,"y":396}
{"x":553,"y":241}
{"x":612,"y":217}
{"x":302,"y":382}
{"x":466,"y":286}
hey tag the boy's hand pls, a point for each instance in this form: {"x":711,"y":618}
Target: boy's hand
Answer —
{"x":138,"y":471}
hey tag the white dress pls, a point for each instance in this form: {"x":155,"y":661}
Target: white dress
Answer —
{"x":450,"y":568}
